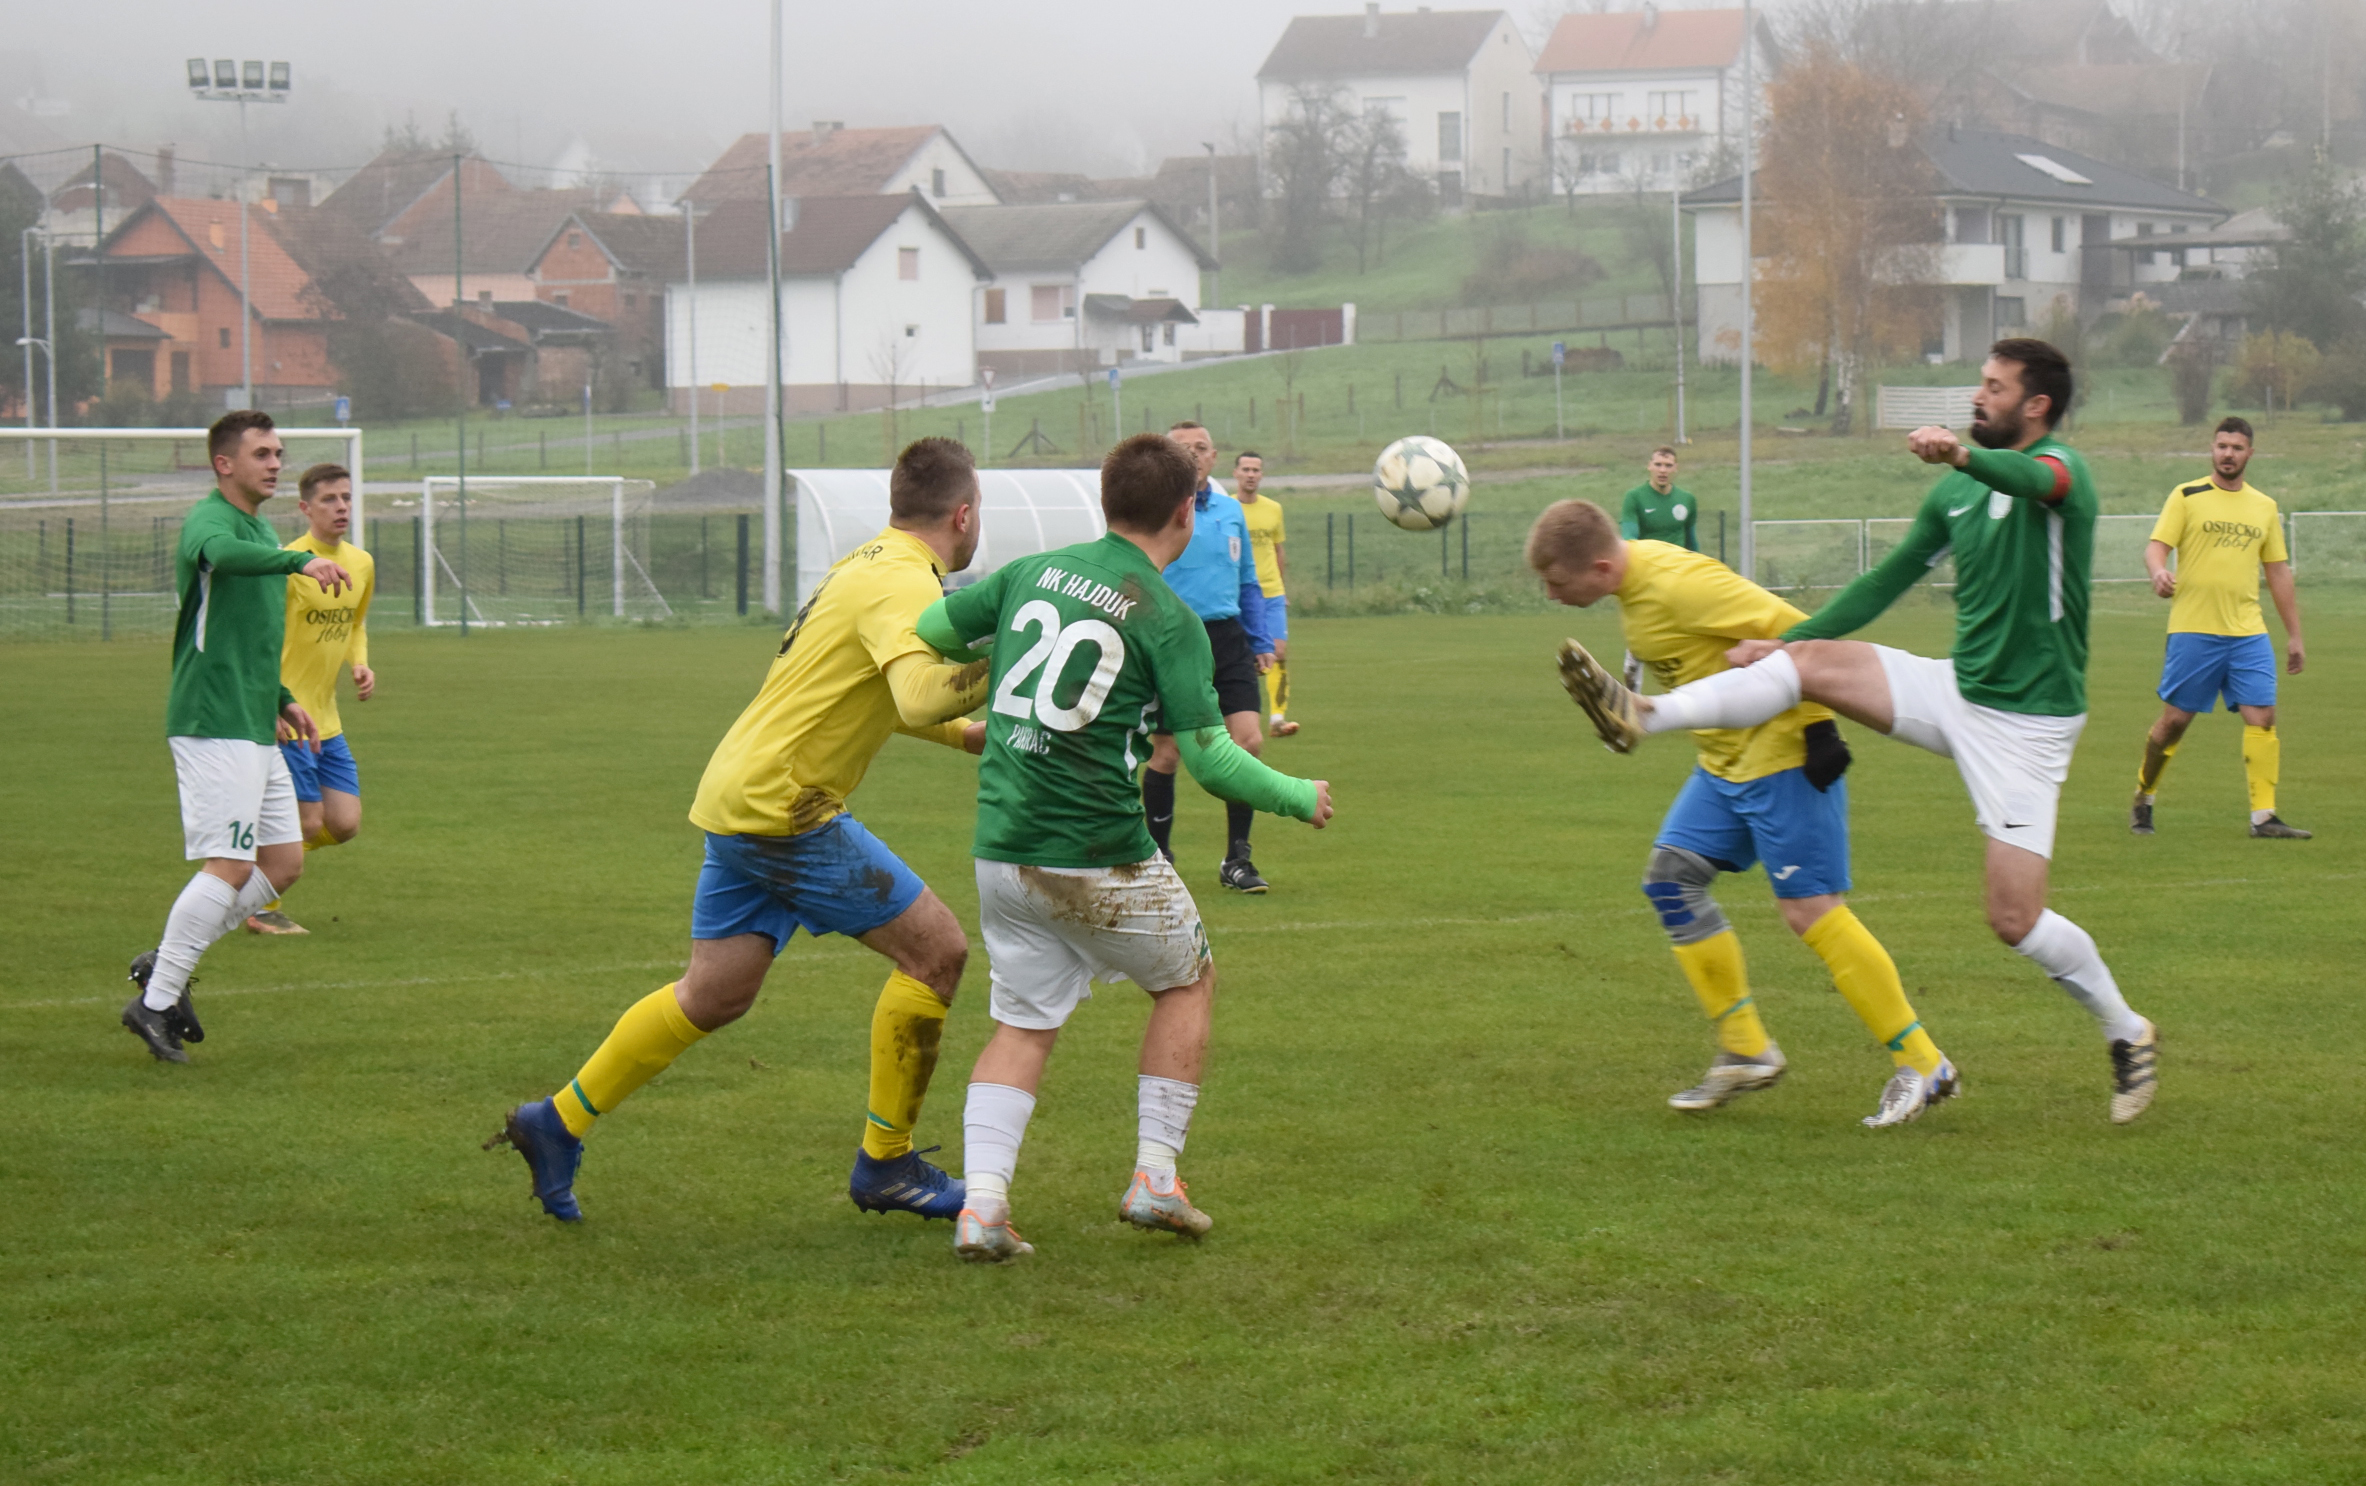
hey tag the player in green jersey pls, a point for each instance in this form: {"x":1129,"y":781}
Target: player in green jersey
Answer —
{"x":238,"y":803}
{"x":1093,"y":656}
{"x":2018,"y":514}
{"x":1658,"y":511}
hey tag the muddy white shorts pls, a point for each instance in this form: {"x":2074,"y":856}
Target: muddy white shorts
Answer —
{"x":2013,"y":763}
{"x":235,"y":796}
{"x":1050,"y":931}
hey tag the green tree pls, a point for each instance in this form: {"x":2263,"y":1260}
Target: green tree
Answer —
{"x":2310,"y":284}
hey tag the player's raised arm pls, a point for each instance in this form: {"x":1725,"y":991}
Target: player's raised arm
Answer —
{"x":1878,"y":587}
{"x":1230,"y":772}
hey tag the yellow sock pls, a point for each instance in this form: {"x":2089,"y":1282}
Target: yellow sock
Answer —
{"x":2156,"y":761}
{"x":643,"y":1044}
{"x":906,"y":1027}
{"x":270,"y":907}
{"x":1868,"y":981}
{"x":1277,"y":683}
{"x":320,"y":838}
{"x":2263,"y":756}
{"x":1714,"y":966}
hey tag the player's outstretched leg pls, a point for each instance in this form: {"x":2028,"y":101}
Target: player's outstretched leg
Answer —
{"x":2067,"y":954}
{"x":549,"y":1132}
{"x":993,"y":1125}
{"x":1607,"y":704}
{"x":1867,"y":978}
{"x":1710,"y":954}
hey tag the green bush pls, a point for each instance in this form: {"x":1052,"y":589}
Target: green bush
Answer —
{"x":2341,"y":379}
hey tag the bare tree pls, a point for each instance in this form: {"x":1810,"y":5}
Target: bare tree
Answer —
{"x":1306,"y":154}
{"x":1850,"y":227}
{"x":1375,"y":174}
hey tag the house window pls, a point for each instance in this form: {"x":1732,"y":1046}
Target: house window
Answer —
{"x":2144,"y":229}
{"x":2061,"y":232}
{"x":1592,"y":110}
{"x":1668,"y":109}
{"x":2012,"y":312}
{"x":994,"y":309}
{"x":1149,"y":337}
{"x":225,"y":337}
{"x":1141,"y":238}
{"x":1170,"y":337}
{"x":1449,"y":137}
{"x":2008,"y":232}
{"x":936,"y":183}
{"x":559,"y":299}
{"x":1051,"y":302}
{"x":574,"y":241}
{"x":632,"y":301}
{"x":2177,"y":255}
{"x":911,"y":332}
{"x":907,"y":263}
{"x":1605,"y":162}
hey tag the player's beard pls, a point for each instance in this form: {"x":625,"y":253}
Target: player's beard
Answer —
{"x":1998,"y":431}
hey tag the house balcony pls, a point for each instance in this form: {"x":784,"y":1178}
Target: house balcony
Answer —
{"x":1972,"y":264}
{"x":1634,"y":124}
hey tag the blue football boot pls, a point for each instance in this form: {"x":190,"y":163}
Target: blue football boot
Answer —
{"x":905,"y":1184}
{"x":552,"y":1155}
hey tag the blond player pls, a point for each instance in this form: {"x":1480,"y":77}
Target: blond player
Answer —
{"x":326,"y":634}
{"x":783,"y":854}
{"x":1769,"y":793}
{"x":2224,"y":535}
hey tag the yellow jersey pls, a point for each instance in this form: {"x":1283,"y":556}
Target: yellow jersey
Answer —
{"x":1265,"y":534}
{"x":1681,"y":612}
{"x":325,"y":634}
{"x":825,"y":708}
{"x":2221,"y":537}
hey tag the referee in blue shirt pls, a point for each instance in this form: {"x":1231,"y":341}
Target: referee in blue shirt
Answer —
{"x":1217,"y":577}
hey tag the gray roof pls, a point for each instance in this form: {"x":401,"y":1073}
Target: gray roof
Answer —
{"x":542,"y":320}
{"x":1138,"y":311}
{"x":1053,"y":234}
{"x":1976,"y":162}
{"x":1400,"y":42}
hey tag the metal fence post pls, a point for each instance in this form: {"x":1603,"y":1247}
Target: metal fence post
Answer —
{"x":1330,"y":550}
{"x":1351,"y":552}
{"x":1465,"y":523}
{"x":743,"y":565}
{"x":580,"y":570}
{"x":69,"y":570}
{"x":418,"y":566}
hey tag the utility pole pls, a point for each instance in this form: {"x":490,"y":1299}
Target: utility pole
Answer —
{"x":772,"y":361}
{"x":460,"y":419}
{"x":1215,"y":235}
{"x":690,"y":323}
{"x":1749,"y":532}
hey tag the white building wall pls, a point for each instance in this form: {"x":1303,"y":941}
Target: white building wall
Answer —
{"x":963,"y":185}
{"x":1416,"y":101}
{"x":1165,"y":267}
{"x":1507,"y":107}
{"x":1655,"y":149}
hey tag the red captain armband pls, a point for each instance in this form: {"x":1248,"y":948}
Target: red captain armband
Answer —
{"x":2061,"y":480}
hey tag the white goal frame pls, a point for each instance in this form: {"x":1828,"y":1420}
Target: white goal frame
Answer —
{"x":432,"y":555}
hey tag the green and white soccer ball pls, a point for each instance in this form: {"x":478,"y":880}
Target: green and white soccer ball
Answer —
{"x":1420,"y":484}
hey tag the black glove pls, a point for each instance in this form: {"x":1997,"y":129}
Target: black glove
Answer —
{"x":1827,"y":754}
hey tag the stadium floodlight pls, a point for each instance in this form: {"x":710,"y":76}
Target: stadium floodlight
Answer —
{"x":226,"y":74}
{"x":201,"y":74}
{"x":251,"y":77}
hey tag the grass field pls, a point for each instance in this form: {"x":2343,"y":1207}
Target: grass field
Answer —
{"x":1460,"y":1237}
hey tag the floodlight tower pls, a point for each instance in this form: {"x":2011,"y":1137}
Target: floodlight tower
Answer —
{"x":242,"y":83}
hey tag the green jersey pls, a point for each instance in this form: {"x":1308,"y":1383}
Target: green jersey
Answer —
{"x":2021,"y":527}
{"x":232,"y":577}
{"x":1650,"y":516}
{"x":1092,"y":654}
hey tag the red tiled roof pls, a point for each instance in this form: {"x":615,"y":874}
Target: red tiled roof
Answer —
{"x":503,"y":233}
{"x":1623,"y":42}
{"x":847,"y":162}
{"x":277,"y":286}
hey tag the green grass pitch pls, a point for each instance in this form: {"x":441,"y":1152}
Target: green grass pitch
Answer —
{"x":1459,"y":1236}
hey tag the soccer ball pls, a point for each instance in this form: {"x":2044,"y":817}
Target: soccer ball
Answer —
{"x":1420,"y":483}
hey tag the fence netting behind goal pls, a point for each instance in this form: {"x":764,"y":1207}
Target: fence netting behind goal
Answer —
{"x":511,"y":551}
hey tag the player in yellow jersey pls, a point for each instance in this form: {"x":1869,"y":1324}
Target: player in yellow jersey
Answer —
{"x":1266,"y":540}
{"x":1770,"y":793}
{"x":325,"y":635}
{"x":2225,"y":535}
{"x":783,"y":854}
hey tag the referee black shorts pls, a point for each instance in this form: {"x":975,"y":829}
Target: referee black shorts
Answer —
{"x":1237,"y":689}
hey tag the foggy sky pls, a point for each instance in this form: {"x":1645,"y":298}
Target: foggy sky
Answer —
{"x":1103,"y":86}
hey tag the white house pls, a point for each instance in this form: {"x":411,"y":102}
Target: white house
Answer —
{"x":1639,"y":100}
{"x":1458,"y":82}
{"x":832,"y":160}
{"x":1080,"y":283}
{"x":2028,"y":226}
{"x":876,"y":301}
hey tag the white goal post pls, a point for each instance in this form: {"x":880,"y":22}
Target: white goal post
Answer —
{"x":544,"y":499}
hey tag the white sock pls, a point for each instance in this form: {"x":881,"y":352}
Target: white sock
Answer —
{"x":1730,"y":699}
{"x":2257,"y":816}
{"x":1166,"y":1106}
{"x":992,"y":1125}
{"x":257,"y":895}
{"x":2067,"y":953}
{"x":206,"y":910}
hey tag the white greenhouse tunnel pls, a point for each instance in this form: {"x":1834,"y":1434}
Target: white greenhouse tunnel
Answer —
{"x":1025,"y":511}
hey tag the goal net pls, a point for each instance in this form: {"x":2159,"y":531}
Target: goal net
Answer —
{"x":507,"y":550}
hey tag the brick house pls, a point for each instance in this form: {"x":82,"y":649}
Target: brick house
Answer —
{"x":614,"y":267}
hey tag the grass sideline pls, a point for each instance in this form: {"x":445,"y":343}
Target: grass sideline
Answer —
{"x":1459,"y":1235}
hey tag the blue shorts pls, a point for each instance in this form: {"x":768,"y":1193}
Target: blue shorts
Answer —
{"x":1800,"y":833}
{"x":2200,"y":668}
{"x":331,"y":768}
{"x":1277,"y":616}
{"x":839,"y":879}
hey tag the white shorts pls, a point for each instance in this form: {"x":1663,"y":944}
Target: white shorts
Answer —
{"x":1051,"y":930}
{"x":2013,"y":763}
{"x":235,"y":796}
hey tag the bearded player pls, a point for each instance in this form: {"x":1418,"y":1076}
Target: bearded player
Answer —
{"x":2018,"y":513}
{"x":1095,"y":655}
{"x":1770,"y":793}
{"x":783,"y":854}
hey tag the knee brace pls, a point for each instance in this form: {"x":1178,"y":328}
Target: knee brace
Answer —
{"x":1677,"y":883}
